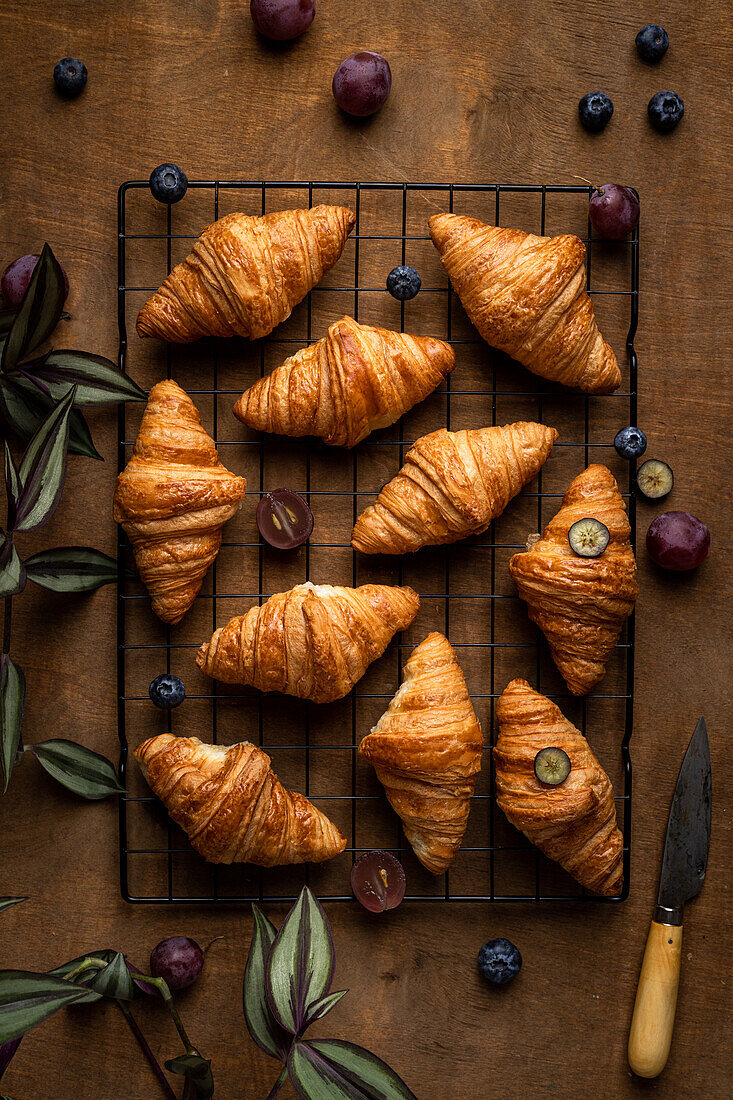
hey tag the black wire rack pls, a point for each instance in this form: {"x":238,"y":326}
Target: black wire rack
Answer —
{"x":464,"y":588}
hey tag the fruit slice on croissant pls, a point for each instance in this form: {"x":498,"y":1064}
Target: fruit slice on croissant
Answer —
{"x":353,"y":381}
{"x":246,"y":274}
{"x":574,"y":822}
{"x":233,"y":806}
{"x":453,"y":484}
{"x":314,"y":641}
{"x":426,"y":750}
{"x":173,"y":498}
{"x":526,"y":295}
{"x":581,"y":604}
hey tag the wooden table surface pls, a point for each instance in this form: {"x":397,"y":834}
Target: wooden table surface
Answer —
{"x":484,"y":91}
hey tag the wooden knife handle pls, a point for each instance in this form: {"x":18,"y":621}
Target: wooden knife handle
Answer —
{"x":656,"y":999}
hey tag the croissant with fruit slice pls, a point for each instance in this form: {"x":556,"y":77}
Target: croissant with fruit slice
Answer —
{"x":453,"y":484}
{"x":314,"y":641}
{"x":580,"y":604}
{"x":173,"y":498}
{"x":426,"y":749}
{"x":354,"y":380}
{"x":246,"y":274}
{"x":526,"y":295}
{"x":233,"y":806}
{"x":573,"y":822}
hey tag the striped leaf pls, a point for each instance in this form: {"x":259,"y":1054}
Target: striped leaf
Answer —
{"x":97,"y":380}
{"x":43,"y":469}
{"x":197,"y":1070}
{"x":261,"y":1024}
{"x":90,"y":996}
{"x":12,"y":570}
{"x":7,"y":1051}
{"x":115,"y":981}
{"x":77,"y":768}
{"x":335,"y":1070}
{"x":23,"y":407}
{"x":71,"y":569}
{"x":12,"y":701}
{"x":27,"y":999}
{"x":300,"y":964}
{"x":39,"y":312}
{"x":7,"y":903}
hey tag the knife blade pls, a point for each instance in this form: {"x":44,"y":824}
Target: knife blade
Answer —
{"x":684,"y":865}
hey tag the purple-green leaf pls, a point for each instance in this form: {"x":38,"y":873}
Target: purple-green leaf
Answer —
{"x":86,"y":773}
{"x":12,"y":485}
{"x":319,"y":1009}
{"x":115,"y":981}
{"x":105,"y":956}
{"x":12,"y":570}
{"x":71,"y":569}
{"x":7,"y":1051}
{"x":24,"y":407}
{"x":43,"y":469}
{"x":12,"y":701}
{"x":335,"y":1070}
{"x":300,"y":964}
{"x":97,"y":380}
{"x":6,"y":903}
{"x":27,"y":999}
{"x":196,"y":1069}
{"x":39,"y":312}
{"x":261,"y":1024}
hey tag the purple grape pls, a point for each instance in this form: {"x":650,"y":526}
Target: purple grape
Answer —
{"x":17,"y":276}
{"x":362,"y":83}
{"x":282,"y":20}
{"x":614,"y":211}
{"x":178,"y":960}
{"x":677,"y":541}
{"x":378,"y":881}
{"x":284,"y":519}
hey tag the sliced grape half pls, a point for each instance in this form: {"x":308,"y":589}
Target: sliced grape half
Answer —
{"x":588,"y":537}
{"x":655,"y":479}
{"x":284,"y":519}
{"x":378,"y":881}
{"x":552,"y":766}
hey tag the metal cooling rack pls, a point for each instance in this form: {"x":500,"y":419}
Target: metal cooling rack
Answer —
{"x":170,"y":849}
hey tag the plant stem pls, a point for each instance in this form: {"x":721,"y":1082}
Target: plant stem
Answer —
{"x":278,"y":1084}
{"x":85,"y":964}
{"x":143,"y":1044}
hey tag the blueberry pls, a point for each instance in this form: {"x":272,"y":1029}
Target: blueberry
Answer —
{"x":168,"y":183}
{"x":403,"y":283}
{"x":665,"y":110}
{"x":167,"y":691}
{"x":652,"y":42}
{"x":595,"y":110}
{"x":70,"y":76}
{"x":499,"y":961}
{"x":630,"y":442}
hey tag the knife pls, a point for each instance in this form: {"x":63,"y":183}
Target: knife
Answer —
{"x":683,"y":873}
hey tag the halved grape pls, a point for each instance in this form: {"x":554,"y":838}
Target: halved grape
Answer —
{"x":588,"y":537}
{"x":655,"y":479}
{"x":284,"y":519}
{"x":552,"y":766}
{"x":678,"y":541}
{"x":378,"y":881}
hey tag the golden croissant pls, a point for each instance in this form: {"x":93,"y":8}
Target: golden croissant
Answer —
{"x":581,"y":604}
{"x":246,"y":274}
{"x":173,"y":498}
{"x":453,"y":484}
{"x":233,"y":806}
{"x":426,"y":750}
{"x":573,"y":823}
{"x":314,"y":641}
{"x":354,"y":380}
{"x":526,"y":295}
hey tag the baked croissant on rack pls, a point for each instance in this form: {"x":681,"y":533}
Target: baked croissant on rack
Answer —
{"x":173,"y":498}
{"x":246,"y":274}
{"x":526,"y":295}
{"x":453,"y":484}
{"x":573,"y":823}
{"x":233,"y":806}
{"x":581,"y":604}
{"x":314,"y":641}
{"x":354,"y":380}
{"x":426,"y":750}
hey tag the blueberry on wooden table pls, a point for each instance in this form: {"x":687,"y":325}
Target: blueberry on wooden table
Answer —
{"x":168,"y":183}
{"x":595,"y":110}
{"x":652,"y":42}
{"x":70,"y":76}
{"x":167,"y":691}
{"x":630,"y":442}
{"x":665,"y":110}
{"x":403,"y":283}
{"x":499,"y":961}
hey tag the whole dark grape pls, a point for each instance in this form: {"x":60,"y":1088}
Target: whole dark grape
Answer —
{"x":362,"y":83}
{"x":16,"y":277}
{"x":613,"y":211}
{"x":282,"y":20}
{"x":678,"y":541}
{"x":178,"y":960}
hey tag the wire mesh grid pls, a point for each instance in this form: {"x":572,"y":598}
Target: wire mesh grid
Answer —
{"x":465,"y":588}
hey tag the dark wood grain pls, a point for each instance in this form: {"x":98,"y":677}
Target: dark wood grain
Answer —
{"x":483,"y":91}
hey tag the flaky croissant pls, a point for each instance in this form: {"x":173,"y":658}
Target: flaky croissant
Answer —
{"x":354,"y":380}
{"x":573,"y":823}
{"x":426,"y":750}
{"x":314,"y":641}
{"x":580,"y":604}
{"x":526,"y":295}
{"x":233,"y":806}
{"x":173,"y":498}
{"x":246,"y":274}
{"x":453,"y":484}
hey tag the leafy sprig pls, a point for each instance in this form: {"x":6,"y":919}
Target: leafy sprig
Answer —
{"x":287,"y":983}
